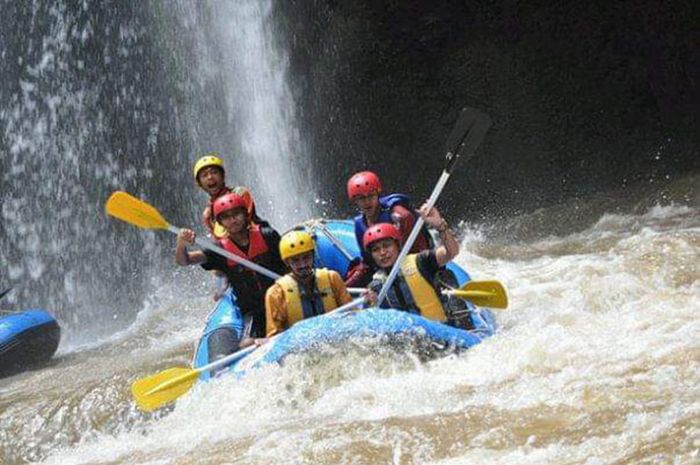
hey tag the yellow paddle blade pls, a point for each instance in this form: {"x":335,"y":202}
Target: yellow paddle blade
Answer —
{"x":490,"y":294}
{"x":135,"y":211}
{"x":162,"y":388}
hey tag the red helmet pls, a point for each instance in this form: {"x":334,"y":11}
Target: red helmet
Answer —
{"x":380,"y":231}
{"x":363,"y":183}
{"x":229,"y":202}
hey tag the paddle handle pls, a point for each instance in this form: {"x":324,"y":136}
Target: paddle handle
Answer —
{"x":416,"y":228}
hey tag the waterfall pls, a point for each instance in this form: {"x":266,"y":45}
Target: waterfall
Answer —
{"x":63,"y":151}
{"x":269,"y":152}
{"x":107,"y":96}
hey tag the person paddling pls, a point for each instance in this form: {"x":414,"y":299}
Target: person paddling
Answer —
{"x":304,"y":292}
{"x":416,"y":288}
{"x":364,"y":189}
{"x":210,"y":176}
{"x":254,"y":242}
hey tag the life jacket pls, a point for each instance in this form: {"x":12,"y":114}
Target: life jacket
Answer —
{"x":412,"y":292}
{"x":386,"y":204}
{"x":256,"y":246}
{"x":300,"y":305}
{"x":249,"y":285}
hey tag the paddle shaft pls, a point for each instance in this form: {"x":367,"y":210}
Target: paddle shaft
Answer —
{"x":252,"y":265}
{"x":466,"y":294}
{"x":412,"y":237}
{"x":3,"y":294}
{"x":338,"y":245}
{"x":215,"y":248}
{"x":468,"y":131}
{"x":243,"y":352}
{"x":334,"y":240}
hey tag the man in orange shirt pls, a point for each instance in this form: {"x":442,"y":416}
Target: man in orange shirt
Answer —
{"x":305,"y":292}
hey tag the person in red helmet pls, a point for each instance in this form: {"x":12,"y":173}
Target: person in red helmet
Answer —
{"x":254,"y":242}
{"x":210,"y":176}
{"x":416,"y":287}
{"x":364,"y":189}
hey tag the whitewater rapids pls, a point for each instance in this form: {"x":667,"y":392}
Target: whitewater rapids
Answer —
{"x":595,"y":362}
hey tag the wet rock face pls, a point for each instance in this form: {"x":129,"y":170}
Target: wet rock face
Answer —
{"x":584,"y":97}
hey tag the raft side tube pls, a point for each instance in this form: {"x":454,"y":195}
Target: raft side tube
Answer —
{"x":27,"y":340}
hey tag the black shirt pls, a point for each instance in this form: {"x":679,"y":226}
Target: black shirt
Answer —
{"x":427,"y":264}
{"x":428,"y":267}
{"x":249,"y":285}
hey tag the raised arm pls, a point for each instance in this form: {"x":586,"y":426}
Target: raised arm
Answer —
{"x":449,"y":247}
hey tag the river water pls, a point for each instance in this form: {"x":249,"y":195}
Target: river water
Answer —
{"x":595,"y":362}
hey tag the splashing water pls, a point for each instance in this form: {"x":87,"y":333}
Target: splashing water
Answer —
{"x":595,"y":362}
{"x":98,"y":98}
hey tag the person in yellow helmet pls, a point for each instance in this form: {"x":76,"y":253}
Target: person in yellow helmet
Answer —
{"x":210,"y":175}
{"x":305,"y":291}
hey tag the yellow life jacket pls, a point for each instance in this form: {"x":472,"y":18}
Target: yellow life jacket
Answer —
{"x":417,"y":292}
{"x":299,"y":305}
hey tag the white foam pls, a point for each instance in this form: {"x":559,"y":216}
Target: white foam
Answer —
{"x":604,"y":329}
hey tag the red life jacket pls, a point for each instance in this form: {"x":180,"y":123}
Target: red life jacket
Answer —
{"x":256,"y":246}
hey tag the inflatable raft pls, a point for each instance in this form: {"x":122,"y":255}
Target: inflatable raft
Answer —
{"x":27,"y":339}
{"x":335,"y":248}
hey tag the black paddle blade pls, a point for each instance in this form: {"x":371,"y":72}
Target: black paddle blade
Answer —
{"x":4,"y":293}
{"x":466,"y":136}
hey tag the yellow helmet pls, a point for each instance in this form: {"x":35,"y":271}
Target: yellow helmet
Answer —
{"x":296,"y":243}
{"x":210,"y":159}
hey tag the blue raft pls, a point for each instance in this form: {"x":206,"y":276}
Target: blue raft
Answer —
{"x":27,"y":339}
{"x":335,"y":248}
